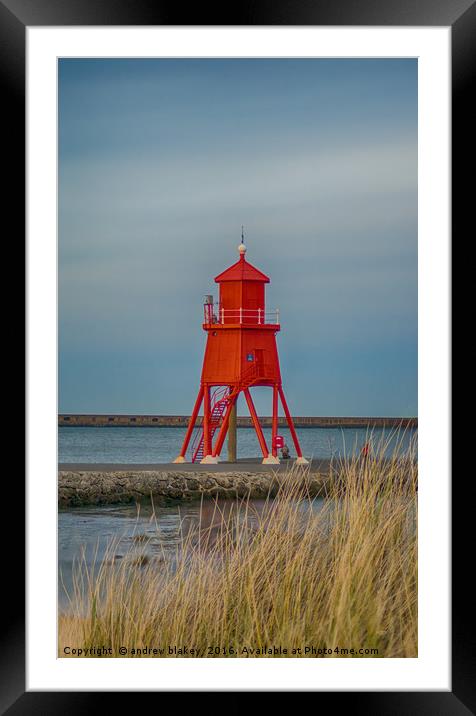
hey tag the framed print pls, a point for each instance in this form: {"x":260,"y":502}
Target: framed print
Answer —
{"x":323,"y":133}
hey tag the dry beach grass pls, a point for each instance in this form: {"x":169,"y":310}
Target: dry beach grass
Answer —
{"x":343,"y":576}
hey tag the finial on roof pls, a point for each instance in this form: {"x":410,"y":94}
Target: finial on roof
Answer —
{"x":242,"y":247}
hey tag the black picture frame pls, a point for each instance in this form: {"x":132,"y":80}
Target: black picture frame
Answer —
{"x":15,"y":17}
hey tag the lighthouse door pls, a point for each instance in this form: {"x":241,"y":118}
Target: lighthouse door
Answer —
{"x":259,"y":353}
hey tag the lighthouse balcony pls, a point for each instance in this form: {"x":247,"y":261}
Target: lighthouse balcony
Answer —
{"x":214,"y":315}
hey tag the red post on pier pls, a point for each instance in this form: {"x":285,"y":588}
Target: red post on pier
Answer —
{"x":240,"y":353}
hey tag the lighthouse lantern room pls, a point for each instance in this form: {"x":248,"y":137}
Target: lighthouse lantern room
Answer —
{"x":240,"y":353}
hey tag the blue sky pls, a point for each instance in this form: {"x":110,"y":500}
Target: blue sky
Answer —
{"x":162,"y":161}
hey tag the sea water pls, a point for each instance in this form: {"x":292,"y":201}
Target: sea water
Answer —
{"x":162,"y":445}
{"x":90,"y":535}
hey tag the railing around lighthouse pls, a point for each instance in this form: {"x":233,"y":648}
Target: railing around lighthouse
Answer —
{"x":215,"y":314}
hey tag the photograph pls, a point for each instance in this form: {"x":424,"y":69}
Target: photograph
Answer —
{"x":238,"y":459}
{"x":238,"y":332}
{"x":237,"y":228}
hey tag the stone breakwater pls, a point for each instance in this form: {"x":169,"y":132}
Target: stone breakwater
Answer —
{"x":77,"y":488}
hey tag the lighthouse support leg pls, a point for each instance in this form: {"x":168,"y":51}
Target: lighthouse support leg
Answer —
{"x":224,"y":428}
{"x":191,"y":425}
{"x":232,"y":435}
{"x":207,"y":448}
{"x":300,"y":459}
{"x":254,"y":418}
{"x":274,"y":449}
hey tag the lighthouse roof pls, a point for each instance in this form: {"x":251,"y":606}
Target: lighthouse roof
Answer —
{"x":242,"y":270}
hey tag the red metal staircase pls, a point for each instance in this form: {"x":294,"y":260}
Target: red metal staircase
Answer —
{"x":219,"y":399}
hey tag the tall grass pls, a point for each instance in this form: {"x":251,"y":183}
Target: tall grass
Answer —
{"x":292,"y":576}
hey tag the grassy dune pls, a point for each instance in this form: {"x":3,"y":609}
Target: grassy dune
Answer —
{"x":344,"y":576}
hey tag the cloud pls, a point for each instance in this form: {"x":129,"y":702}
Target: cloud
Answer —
{"x":150,"y":213}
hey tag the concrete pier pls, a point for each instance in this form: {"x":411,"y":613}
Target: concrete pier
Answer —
{"x":242,"y":421}
{"x":102,"y":484}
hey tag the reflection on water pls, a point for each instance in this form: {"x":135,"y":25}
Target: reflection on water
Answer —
{"x":145,"y":533}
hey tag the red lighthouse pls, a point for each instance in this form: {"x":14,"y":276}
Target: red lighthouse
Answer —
{"x":241,"y":352}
